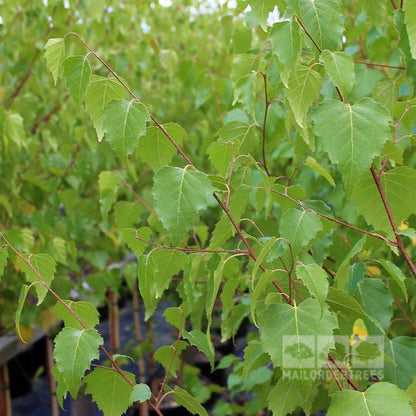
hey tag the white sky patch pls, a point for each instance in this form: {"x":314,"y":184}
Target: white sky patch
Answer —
{"x":1,"y":20}
{"x":344,"y":39}
{"x":145,"y":27}
{"x":67,"y":5}
{"x":165,"y":3}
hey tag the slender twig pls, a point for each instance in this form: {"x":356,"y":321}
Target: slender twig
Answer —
{"x":308,"y":34}
{"x":189,"y":250}
{"x":396,"y":127}
{"x":175,"y":349}
{"x":394,"y":4}
{"x":345,"y":224}
{"x":334,"y":376}
{"x":47,"y":117}
{"x":399,"y":241}
{"x":380,"y":65}
{"x":343,"y":372}
{"x":136,"y":195}
{"x":263,"y":128}
{"x":250,"y":250}
{"x":396,"y":301}
{"x":126,"y":87}
{"x":67,"y":306}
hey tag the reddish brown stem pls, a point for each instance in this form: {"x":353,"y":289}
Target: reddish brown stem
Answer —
{"x":334,"y":376}
{"x":394,"y":4}
{"x":399,"y":241}
{"x":250,"y":250}
{"x":309,"y":35}
{"x":396,"y":301}
{"x":126,"y":87}
{"x":379,"y":65}
{"x":345,"y":224}
{"x":263,"y":129}
{"x":175,"y":349}
{"x":343,"y":372}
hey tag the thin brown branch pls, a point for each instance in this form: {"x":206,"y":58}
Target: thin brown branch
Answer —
{"x":189,"y":250}
{"x":66,"y":305}
{"x":379,"y":65}
{"x":399,"y":305}
{"x":394,"y":4}
{"x":345,"y":224}
{"x":263,"y":129}
{"x":399,"y":241}
{"x":47,"y":117}
{"x":126,"y":87}
{"x":308,"y":34}
{"x":250,"y":250}
{"x":334,"y":376}
{"x":175,"y":349}
{"x":136,"y":195}
{"x":343,"y":372}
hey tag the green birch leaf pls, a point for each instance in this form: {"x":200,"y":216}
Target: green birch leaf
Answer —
{"x":245,"y":134}
{"x":76,"y":73}
{"x":183,"y":398}
{"x":342,"y":275}
{"x":155,"y":149}
{"x":299,"y":227}
{"x":14,"y":128}
{"x":7,"y":206}
{"x":54,"y":54}
{"x":286,"y":41}
{"x":45,"y":267}
{"x":375,"y":11}
{"x":261,"y":9}
{"x":409,"y":7}
{"x":395,"y":183}
{"x":297,"y":337}
{"x":303,"y":89}
{"x":402,"y":370}
{"x":129,"y":235}
{"x":124,"y":122}
{"x":202,"y":342}
{"x":396,"y":274}
{"x":213,"y":288}
{"x":376,"y":300}
{"x":315,"y":279}
{"x":127,"y":214}
{"x":24,"y":290}
{"x":323,"y":20}
{"x":85,"y":311}
{"x":61,"y":391}
{"x":110,"y":390}
{"x":263,"y":282}
{"x":340,"y":68}
{"x":290,"y":393}
{"x":141,"y":392}
{"x":221,"y":154}
{"x":73,"y":353}
{"x":4,"y":253}
{"x":385,"y":92}
{"x":179,"y":196}
{"x":168,"y":263}
{"x":101,"y":91}
{"x":108,"y":183}
{"x":164,"y":356}
{"x":340,"y":301}
{"x":353,"y":135}
{"x":378,"y":400}
{"x":146,"y":281}
{"x":243,"y":64}
{"x":244,"y":92}
{"x":312,"y":163}
{"x":254,"y":357}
